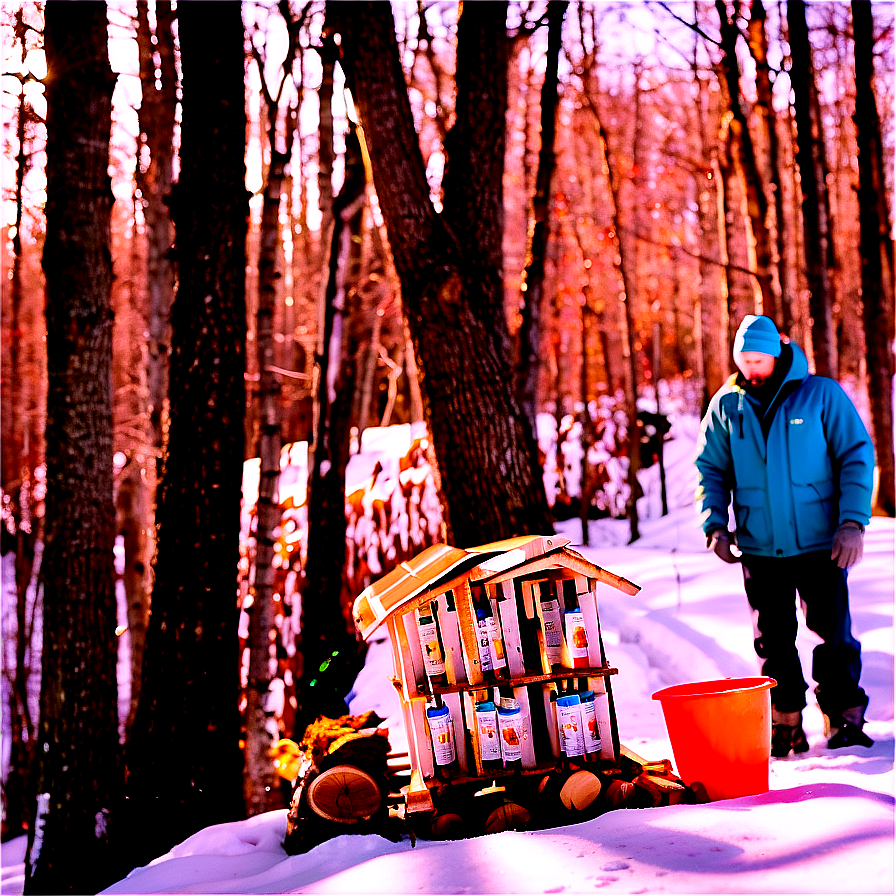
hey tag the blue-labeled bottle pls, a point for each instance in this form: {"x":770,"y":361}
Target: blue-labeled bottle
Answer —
{"x":569,"y":724}
{"x":590,"y":723}
{"x":441,"y":730}
{"x":488,"y":734}
{"x":510,"y":727}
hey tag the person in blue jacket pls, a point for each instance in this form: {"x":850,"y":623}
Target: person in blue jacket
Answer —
{"x":791,"y":453}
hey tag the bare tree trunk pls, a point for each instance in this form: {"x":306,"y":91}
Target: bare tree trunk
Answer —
{"x":529,"y":336}
{"x":74,"y":844}
{"x":757,"y":40}
{"x":745,"y":154}
{"x":710,"y":313}
{"x":877,"y":256}
{"x":326,"y":664}
{"x":626,"y":269}
{"x":184,"y":759}
{"x":450,"y":268}
{"x":156,"y":118}
{"x":813,"y":167}
{"x":740,"y":293}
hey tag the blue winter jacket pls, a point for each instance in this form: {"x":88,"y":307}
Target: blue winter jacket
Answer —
{"x":792,"y":489}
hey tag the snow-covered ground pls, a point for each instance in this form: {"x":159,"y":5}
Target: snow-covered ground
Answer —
{"x":825,"y":826}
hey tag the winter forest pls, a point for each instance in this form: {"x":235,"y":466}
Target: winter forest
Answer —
{"x":521,"y":231}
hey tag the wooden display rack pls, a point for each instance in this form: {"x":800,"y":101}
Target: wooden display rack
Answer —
{"x":440,"y":580}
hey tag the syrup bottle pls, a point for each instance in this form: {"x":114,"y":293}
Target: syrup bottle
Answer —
{"x":491,"y":642}
{"x":441,"y":730}
{"x":431,"y":646}
{"x":576,"y":635}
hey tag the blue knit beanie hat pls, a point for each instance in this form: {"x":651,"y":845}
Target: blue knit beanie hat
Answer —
{"x":758,"y":333}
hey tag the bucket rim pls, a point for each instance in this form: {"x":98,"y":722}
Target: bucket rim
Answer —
{"x":703,"y":689}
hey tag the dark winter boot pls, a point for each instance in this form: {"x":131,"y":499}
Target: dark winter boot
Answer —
{"x":787,"y":733}
{"x":845,"y":730}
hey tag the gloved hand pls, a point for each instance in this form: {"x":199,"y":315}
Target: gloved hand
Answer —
{"x":848,"y":544}
{"x":720,"y":542}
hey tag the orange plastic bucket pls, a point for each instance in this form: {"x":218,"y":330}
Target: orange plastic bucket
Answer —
{"x":721,"y":734}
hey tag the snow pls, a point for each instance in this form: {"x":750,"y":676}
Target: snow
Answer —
{"x":825,"y":826}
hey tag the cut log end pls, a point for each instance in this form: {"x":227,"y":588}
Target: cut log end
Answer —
{"x":344,"y":793}
{"x":580,"y":790}
{"x":508,"y":817}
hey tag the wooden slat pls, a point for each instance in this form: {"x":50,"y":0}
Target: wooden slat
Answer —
{"x":466,"y":620}
{"x":602,"y":714}
{"x":566,"y":559}
{"x":521,"y":695}
{"x":455,"y":704}
{"x":550,"y":712}
{"x":454,"y":662}
{"x":473,"y":729}
{"x":418,"y":797}
{"x":418,"y":735}
{"x":510,"y":625}
{"x":588,"y":605}
{"x":413,"y":672}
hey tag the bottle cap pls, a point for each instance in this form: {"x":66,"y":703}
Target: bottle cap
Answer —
{"x":424,"y":618}
{"x":568,"y":700}
{"x":485,"y":706}
{"x":436,"y":712}
{"x":509,"y":710}
{"x":586,"y":696}
{"x":480,"y":613}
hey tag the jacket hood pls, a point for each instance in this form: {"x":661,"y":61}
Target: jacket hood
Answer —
{"x":797,"y":369}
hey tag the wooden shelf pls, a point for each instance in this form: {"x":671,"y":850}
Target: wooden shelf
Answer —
{"x":598,"y":766}
{"x":520,"y":680}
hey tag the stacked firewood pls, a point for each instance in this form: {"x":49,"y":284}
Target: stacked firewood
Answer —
{"x":342,"y":781}
{"x":347,"y":781}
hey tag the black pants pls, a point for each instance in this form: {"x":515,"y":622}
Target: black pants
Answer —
{"x":772,"y":584}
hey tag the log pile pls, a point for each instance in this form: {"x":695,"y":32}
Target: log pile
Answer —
{"x":347,"y":781}
{"x":342,"y":782}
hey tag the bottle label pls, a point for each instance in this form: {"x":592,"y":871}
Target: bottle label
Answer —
{"x":433,"y":661}
{"x":569,"y":722}
{"x":577,"y":637}
{"x":489,"y":744}
{"x":590,"y":727}
{"x":495,"y":642}
{"x":553,"y":631}
{"x":442,"y":738}
{"x":485,"y":653}
{"x":511,"y":727}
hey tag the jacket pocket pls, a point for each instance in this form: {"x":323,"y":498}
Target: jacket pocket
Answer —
{"x":751,"y":515}
{"x":816,"y":513}
{"x":807,"y":448}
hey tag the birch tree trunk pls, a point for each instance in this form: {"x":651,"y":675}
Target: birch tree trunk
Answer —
{"x":18,"y":465}
{"x":260,"y":781}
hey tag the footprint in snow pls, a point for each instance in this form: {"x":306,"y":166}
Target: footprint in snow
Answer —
{"x":614,"y":866}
